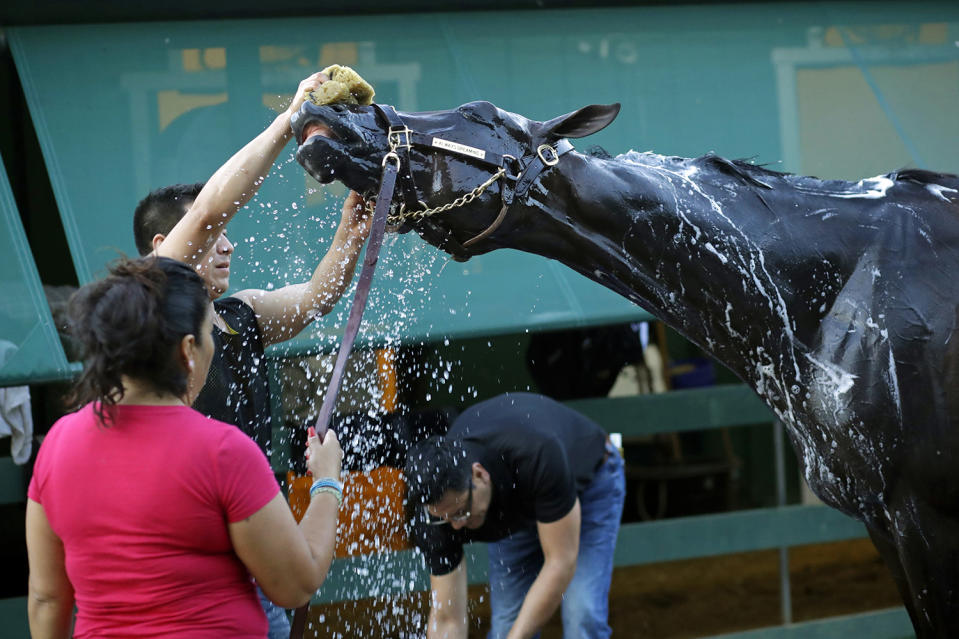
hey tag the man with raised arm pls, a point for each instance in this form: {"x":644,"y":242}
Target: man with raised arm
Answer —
{"x":188,"y":223}
{"x":546,"y":487}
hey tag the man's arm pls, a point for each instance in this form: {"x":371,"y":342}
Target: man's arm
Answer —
{"x":560,"y":543}
{"x":283,"y":313}
{"x":232,"y":186}
{"x":448,"y":605}
{"x":49,"y":592}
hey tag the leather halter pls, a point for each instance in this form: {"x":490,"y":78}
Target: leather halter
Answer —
{"x":402,"y":139}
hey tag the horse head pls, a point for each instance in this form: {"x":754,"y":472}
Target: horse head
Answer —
{"x":478,"y":153}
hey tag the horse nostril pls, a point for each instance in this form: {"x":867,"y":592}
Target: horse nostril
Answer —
{"x":317,"y":128}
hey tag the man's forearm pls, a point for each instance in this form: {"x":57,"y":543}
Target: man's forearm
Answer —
{"x":283,"y":313}
{"x":448,"y":605}
{"x":240,"y":177}
{"x":543,"y":598}
{"x":226,"y":192}
{"x":335,"y":271}
{"x":445,"y":628}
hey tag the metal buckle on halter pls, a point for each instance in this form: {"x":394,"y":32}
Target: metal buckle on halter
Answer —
{"x":516,"y":164}
{"x":391,"y":157}
{"x":547,"y":154}
{"x":400,"y":137}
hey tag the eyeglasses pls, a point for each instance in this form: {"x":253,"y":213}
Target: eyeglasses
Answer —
{"x":459,"y":517}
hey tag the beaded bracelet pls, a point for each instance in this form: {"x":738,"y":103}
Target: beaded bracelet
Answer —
{"x":329,"y":489}
{"x":328,"y":485}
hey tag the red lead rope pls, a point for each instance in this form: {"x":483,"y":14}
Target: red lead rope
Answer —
{"x":391,"y":165}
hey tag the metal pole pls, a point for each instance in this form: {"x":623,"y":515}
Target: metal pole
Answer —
{"x":785,"y":596}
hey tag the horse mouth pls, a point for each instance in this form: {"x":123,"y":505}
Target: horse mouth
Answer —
{"x":318,"y":147}
{"x":330,"y":149}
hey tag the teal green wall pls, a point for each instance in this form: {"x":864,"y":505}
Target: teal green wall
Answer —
{"x":838,"y":89}
{"x":834,"y":89}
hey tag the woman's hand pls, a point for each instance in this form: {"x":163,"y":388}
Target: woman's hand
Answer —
{"x":324,"y":457}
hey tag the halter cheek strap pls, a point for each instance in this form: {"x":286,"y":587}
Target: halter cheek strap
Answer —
{"x":546,"y":156}
{"x":401,"y":141}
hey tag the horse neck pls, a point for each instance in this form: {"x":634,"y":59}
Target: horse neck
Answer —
{"x":697,"y":248}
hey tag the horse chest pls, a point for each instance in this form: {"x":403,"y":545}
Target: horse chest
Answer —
{"x":847,"y":430}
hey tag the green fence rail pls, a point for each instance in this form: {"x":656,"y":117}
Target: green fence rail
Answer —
{"x":892,"y":623}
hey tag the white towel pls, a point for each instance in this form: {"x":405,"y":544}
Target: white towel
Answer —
{"x":16,"y":421}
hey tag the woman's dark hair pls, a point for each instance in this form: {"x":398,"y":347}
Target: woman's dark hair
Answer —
{"x":131,"y":323}
{"x":433,"y":467}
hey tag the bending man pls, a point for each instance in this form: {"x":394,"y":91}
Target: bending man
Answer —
{"x":541,"y":482}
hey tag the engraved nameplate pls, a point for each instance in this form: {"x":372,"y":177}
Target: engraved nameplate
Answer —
{"x":456,"y":147}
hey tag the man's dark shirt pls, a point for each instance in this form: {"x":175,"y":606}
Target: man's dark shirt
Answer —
{"x":237,"y":388}
{"x":540,"y":455}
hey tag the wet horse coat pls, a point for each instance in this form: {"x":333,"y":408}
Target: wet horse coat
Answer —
{"x":836,"y":301}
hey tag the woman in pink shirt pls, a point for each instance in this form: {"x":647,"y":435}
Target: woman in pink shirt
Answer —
{"x":150,"y":517}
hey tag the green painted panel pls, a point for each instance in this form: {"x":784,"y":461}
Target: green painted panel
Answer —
{"x":892,"y":623}
{"x":678,"y":410}
{"x":368,"y":576}
{"x":13,"y":482}
{"x":390,"y":573}
{"x":13,"y":618}
{"x":123,"y":108}
{"x":30,"y":350}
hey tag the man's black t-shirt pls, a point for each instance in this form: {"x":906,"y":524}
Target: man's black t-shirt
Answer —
{"x":540,"y":455}
{"x":237,"y":388}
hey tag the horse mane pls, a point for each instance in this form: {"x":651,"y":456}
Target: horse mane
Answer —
{"x":597,"y":151}
{"x":753,"y":173}
{"x":742,"y":169}
{"x":761,"y":177}
{"x":922,"y":176}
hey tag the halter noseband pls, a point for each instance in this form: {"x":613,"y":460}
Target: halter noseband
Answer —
{"x":401,"y":139}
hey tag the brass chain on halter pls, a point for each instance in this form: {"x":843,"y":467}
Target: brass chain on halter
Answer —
{"x":463,"y":200}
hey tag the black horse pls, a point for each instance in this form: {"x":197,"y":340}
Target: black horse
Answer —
{"x":836,"y":301}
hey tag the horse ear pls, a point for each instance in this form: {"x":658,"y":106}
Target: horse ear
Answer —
{"x":582,"y":122}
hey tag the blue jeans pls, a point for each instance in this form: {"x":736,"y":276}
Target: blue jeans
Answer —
{"x":276,"y":616}
{"x":515,"y":562}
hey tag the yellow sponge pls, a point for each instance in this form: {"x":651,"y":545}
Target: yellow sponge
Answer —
{"x":345,"y":86}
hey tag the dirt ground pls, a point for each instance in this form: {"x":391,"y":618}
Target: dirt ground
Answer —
{"x":674,"y":600}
